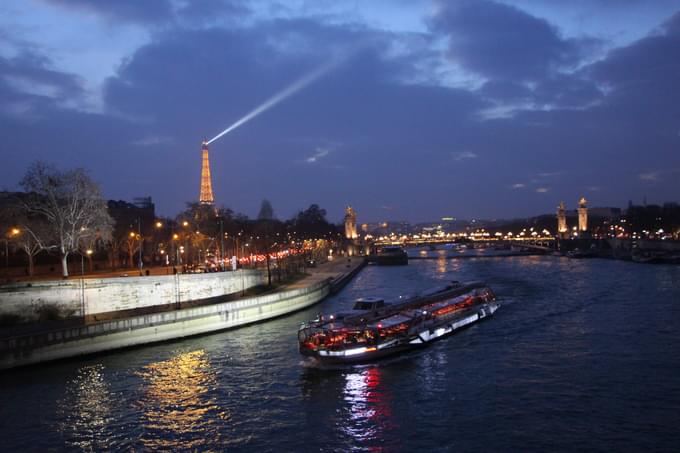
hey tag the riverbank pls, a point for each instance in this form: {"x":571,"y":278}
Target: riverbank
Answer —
{"x":60,"y":340}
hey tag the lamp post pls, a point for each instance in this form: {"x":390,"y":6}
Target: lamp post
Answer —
{"x":89,"y":258}
{"x":141,"y":243}
{"x":186,"y":260}
{"x":9,"y":234}
{"x":221,"y":244}
{"x":6,"y":254}
{"x":88,"y":252}
{"x":175,"y":237}
{"x":157,"y":243}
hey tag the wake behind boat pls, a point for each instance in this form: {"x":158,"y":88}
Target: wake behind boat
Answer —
{"x":375,"y":329}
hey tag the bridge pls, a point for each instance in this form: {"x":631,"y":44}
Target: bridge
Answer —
{"x":543,"y":244}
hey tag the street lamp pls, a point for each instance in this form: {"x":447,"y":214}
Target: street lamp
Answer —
{"x":9,"y":234}
{"x":221,"y":245}
{"x":186,"y":259}
{"x":141,"y":243}
{"x":88,"y":252}
{"x":158,"y":243}
{"x":175,"y":255}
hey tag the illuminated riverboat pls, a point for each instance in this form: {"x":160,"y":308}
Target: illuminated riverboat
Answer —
{"x":375,"y":329}
{"x":389,"y":256}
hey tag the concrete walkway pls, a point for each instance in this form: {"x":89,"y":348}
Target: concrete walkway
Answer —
{"x":332,"y":269}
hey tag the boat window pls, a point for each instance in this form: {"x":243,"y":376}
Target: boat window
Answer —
{"x":368,"y":305}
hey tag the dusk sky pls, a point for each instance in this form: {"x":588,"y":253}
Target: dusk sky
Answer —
{"x":471,"y":109}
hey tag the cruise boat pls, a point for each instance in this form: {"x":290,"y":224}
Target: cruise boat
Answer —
{"x":389,"y":255}
{"x":375,"y":329}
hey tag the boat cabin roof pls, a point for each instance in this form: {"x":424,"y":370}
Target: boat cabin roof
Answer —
{"x":368,"y":303}
{"x":391,"y":321}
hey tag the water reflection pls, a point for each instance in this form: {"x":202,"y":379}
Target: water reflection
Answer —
{"x":179,"y":403}
{"x":368,"y":412}
{"x":433,"y":370}
{"x":441,"y":264}
{"x":86,"y":410}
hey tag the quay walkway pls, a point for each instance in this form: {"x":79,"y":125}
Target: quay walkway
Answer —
{"x":36,"y":343}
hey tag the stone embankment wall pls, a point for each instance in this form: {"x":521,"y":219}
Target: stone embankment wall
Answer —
{"x":104,"y":336}
{"x":78,"y":297}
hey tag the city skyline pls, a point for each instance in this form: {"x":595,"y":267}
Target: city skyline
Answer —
{"x":465,"y":109}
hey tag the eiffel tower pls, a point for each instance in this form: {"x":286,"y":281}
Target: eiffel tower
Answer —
{"x":206,"y":196}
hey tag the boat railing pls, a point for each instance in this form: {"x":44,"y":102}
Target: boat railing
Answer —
{"x":415,"y":302}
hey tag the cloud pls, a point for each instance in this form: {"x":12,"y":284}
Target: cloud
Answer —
{"x":549,"y":174}
{"x":319,"y":153}
{"x":463,"y":155}
{"x":146,"y":11}
{"x":151,"y":140}
{"x":522,"y":61}
{"x":542,"y":190}
{"x":518,"y":185}
{"x":210,"y":10}
{"x":31,"y":73}
{"x":650,"y":176}
{"x":500,"y":41}
{"x":643,"y":71}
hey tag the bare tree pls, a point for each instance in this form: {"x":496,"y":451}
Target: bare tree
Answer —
{"x":71,"y":204}
{"x":29,"y":232}
{"x":130,"y":245}
{"x":116,"y":246}
{"x":30,"y":240}
{"x":90,"y":243}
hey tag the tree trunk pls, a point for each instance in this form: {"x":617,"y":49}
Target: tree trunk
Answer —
{"x":112,"y":259}
{"x":64,"y":265}
{"x":30,"y":265}
{"x":269,"y":272}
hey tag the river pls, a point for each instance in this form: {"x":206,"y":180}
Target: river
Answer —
{"x":582,"y":355}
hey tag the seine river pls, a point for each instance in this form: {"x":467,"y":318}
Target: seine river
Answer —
{"x":583,"y":355}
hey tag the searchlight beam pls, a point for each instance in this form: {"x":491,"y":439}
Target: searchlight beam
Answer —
{"x":282,"y":95}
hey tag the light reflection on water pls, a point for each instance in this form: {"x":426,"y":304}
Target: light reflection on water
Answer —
{"x":368,"y":413}
{"x":86,"y":409}
{"x":179,"y":403}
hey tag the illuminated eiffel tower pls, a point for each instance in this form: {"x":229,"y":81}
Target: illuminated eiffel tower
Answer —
{"x":206,"y":196}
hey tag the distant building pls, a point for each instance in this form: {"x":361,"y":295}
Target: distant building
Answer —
{"x":350,"y":223}
{"x":127,"y":217}
{"x":582,"y":215}
{"x":144,"y":203}
{"x":605,"y":213}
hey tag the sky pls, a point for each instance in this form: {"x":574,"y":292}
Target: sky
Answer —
{"x":412,"y":109}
